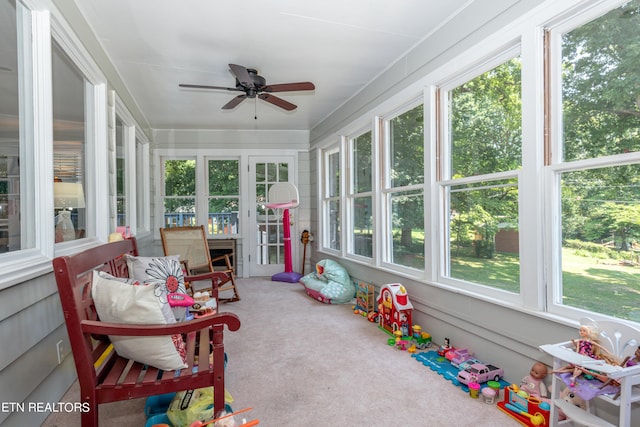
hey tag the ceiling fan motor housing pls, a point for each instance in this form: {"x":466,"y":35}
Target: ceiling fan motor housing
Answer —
{"x":258,"y":82}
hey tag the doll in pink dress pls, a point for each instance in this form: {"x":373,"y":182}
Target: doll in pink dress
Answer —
{"x":586,"y":345}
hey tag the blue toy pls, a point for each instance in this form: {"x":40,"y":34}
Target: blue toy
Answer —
{"x":330,"y":283}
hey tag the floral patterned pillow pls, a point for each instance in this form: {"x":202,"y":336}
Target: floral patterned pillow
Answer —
{"x":164,"y":273}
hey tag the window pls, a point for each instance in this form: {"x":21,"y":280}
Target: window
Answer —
{"x":12,"y":212}
{"x":331,"y":202}
{"x":597,"y":138}
{"x":142,"y":187}
{"x":484,"y":143}
{"x":69,"y":147}
{"x":361,"y":195}
{"x":129,"y":189}
{"x":224,"y":197}
{"x":179,"y":193}
{"x":121,"y":175}
{"x":404,"y":189}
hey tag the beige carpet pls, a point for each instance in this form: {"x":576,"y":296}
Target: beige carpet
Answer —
{"x":301,"y":363}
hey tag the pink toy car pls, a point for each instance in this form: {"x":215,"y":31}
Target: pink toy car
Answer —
{"x":464,"y":365}
{"x":480,"y":373}
{"x":459,"y":356}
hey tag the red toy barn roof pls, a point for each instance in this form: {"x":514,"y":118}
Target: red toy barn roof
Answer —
{"x":400,"y":298}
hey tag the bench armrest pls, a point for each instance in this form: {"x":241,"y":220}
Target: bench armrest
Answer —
{"x":122,"y":329}
{"x":215,"y":276}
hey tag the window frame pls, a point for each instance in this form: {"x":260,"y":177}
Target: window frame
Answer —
{"x":556,"y":165}
{"x":162,"y":187}
{"x":387,"y":192}
{"x":327,"y":198}
{"x":143,"y":186}
{"x":445,"y":180}
{"x":39,"y":25}
{"x":351,"y":195}
{"x":136,"y":171}
{"x":208,"y":197}
{"x":129,"y":156}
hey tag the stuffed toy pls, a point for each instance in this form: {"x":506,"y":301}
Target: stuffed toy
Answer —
{"x":330,"y":283}
{"x":570,"y":397}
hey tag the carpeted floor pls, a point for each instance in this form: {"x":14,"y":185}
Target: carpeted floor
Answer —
{"x":298,"y":362}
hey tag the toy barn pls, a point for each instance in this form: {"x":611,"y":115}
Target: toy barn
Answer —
{"x":394,"y":309}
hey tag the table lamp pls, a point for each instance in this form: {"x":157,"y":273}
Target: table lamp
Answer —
{"x":67,"y":195}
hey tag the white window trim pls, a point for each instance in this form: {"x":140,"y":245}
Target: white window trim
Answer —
{"x":143,"y":177}
{"x":325,"y":199}
{"x":46,"y":23}
{"x":160,"y":188}
{"x":554,"y":229}
{"x":129,"y":131}
{"x":571,"y":19}
{"x":386,"y":191}
{"x":351,"y":195}
{"x":208,"y":196}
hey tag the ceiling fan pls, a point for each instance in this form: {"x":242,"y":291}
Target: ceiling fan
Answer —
{"x":252,"y":84}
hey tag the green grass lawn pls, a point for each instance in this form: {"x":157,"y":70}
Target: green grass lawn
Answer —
{"x":502,"y":271}
{"x":601,"y":285}
{"x":593,"y":284}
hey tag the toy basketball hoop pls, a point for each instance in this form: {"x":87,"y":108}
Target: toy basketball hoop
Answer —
{"x":284,"y":195}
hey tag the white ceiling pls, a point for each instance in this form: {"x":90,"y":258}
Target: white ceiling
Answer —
{"x":339,"y":45}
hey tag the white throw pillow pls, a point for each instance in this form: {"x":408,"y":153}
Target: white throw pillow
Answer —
{"x":119,"y":302}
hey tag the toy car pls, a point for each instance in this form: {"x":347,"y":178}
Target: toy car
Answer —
{"x":464,"y":365}
{"x":480,"y":373}
{"x":459,"y":356}
{"x":445,"y":348}
{"x":422,"y":341}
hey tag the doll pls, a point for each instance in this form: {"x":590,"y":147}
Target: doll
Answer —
{"x":635,"y":360}
{"x":586,"y":345}
{"x":534,"y":382}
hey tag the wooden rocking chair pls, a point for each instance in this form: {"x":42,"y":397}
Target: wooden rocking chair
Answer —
{"x":190,"y":243}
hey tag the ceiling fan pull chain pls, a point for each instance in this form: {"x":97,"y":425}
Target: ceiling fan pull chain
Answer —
{"x":255,"y":109}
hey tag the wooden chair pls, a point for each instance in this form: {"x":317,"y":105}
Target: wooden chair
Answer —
{"x":190,"y":243}
{"x":103,"y":375}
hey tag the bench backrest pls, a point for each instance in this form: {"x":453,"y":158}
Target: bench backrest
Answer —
{"x":74,"y":275}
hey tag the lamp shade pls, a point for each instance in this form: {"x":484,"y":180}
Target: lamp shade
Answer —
{"x":68,"y":195}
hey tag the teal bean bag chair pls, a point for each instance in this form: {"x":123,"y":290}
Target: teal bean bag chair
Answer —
{"x":330,"y":283}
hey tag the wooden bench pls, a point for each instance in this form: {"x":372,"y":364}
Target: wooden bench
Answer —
{"x":103,"y":375}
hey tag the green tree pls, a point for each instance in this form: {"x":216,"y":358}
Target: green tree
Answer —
{"x":407,"y":147}
{"x":180,"y":181}
{"x":601,"y":85}
{"x":486,"y":137}
{"x":486,"y":122}
{"x":601,"y":117}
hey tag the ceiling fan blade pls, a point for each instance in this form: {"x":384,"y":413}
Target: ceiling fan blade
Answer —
{"x":289,"y":87}
{"x":242,"y":75}
{"x":234,"y":102}
{"x":278,"y":102}
{"x":209,"y":87}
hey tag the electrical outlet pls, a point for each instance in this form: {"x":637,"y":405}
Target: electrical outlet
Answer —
{"x":59,"y":349}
